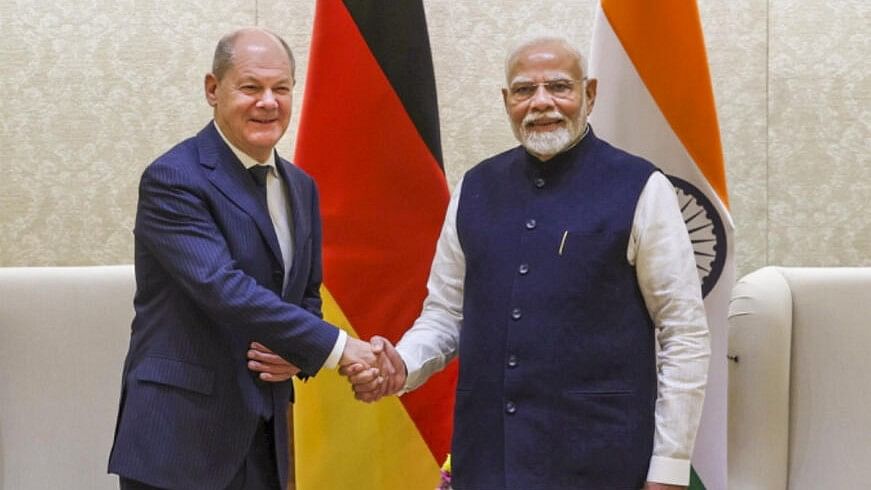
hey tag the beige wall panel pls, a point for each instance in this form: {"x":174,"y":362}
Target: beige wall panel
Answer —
{"x":736,"y":40}
{"x":93,"y":91}
{"x":819,"y":135}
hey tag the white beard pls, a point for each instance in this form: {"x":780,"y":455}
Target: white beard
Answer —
{"x":547,"y":143}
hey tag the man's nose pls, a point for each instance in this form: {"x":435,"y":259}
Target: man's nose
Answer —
{"x":267,"y":100}
{"x":541,"y":99}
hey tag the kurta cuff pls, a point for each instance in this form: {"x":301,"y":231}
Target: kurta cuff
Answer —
{"x":669,"y":470}
{"x":416,"y":371}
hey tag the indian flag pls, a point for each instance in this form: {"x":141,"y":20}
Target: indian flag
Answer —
{"x":369,"y":135}
{"x":655,"y":100}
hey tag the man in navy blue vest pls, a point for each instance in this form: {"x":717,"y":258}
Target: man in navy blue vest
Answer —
{"x":565,"y":280}
{"x":228,"y":271}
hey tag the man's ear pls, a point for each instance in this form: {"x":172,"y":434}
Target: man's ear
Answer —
{"x":505,"y":98}
{"x":210,"y":85}
{"x":591,"y":94}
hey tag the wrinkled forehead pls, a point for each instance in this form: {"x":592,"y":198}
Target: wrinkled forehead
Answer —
{"x":543,"y":62}
{"x":541,"y":76}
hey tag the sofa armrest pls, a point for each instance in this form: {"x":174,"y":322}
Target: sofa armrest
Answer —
{"x":760,"y":336}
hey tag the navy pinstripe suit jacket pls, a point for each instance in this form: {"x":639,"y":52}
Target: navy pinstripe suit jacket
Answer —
{"x":209,"y":278}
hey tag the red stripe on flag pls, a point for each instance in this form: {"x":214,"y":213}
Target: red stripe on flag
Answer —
{"x":383,"y":198}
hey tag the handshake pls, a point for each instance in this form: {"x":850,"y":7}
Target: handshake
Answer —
{"x":374,"y":369}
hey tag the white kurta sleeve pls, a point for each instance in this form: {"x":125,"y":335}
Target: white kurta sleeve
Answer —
{"x":663,"y":256}
{"x":434,"y":338}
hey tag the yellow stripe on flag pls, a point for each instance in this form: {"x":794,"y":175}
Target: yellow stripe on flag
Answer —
{"x":330,"y":424}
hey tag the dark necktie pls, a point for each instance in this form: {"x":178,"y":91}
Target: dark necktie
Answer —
{"x":259,"y":173}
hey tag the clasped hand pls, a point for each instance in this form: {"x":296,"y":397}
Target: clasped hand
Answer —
{"x":374,"y":369}
{"x":373,"y":380}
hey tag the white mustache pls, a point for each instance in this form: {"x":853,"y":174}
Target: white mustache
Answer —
{"x":531,"y":118}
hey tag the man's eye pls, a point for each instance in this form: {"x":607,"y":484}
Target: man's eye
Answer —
{"x":523,"y":90}
{"x":248,"y":88}
{"x":282,"y":90}
{"x":559,"y":87}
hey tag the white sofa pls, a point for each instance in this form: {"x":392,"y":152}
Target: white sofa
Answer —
{"x":799,"y":380}
{"x":63,"y":336}
{"x":799,"y":398}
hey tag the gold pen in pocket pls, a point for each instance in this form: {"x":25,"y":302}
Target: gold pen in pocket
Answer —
{"x":562,"y":243}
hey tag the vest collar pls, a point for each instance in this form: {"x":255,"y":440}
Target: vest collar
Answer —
{"x":561,"y":161}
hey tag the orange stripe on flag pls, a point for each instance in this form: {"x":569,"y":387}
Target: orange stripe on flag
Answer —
{"x":679,"y":81}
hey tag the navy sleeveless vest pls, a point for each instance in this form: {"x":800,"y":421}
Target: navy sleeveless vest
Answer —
{"x":557,"y":382}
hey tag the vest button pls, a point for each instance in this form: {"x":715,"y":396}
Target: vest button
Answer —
{"x":539,"y":182}
{"x":512,"y":361}
{"x":510,"y":408}
{"x":516,"y":313}
{"x":523,"y":269}
{"x":530,"y":224}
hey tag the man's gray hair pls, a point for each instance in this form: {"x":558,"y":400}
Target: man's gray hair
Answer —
{"x":525,"y":44}
{"x":223,"y":60}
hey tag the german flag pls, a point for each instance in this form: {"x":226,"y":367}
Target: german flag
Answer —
{"x":369,"y":135}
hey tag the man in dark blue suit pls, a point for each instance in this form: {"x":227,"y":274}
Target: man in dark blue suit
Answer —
{"x":228,"y":271}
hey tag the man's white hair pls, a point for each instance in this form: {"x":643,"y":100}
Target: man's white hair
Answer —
{"x":525,"y":44}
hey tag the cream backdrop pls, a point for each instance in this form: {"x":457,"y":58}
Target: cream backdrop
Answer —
{"x":93,"y":90}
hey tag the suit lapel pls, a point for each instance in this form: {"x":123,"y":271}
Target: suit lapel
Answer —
{"x":232,"y":179}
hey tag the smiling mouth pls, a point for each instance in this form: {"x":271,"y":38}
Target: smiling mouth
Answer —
{"x":544,"y":123}
{"x":264,"y":121}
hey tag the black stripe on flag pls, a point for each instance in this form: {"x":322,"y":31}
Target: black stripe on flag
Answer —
{"x":387,"y":25}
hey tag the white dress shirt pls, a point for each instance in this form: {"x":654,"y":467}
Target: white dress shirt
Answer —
{"x":662,"y":254}
{"x":278,"y":203}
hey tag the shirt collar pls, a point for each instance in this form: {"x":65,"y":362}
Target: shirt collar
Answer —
{"x":247,"y":160}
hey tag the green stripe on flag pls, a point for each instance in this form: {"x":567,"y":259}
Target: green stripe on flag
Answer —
{"x":695,"y":481}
